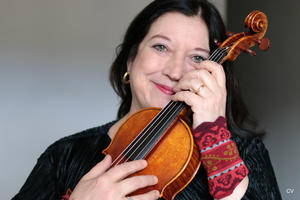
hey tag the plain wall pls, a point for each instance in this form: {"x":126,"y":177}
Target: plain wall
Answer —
{"x":271,"y":85}
{"x":54,"y":62}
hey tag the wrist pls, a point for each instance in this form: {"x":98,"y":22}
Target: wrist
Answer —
{"x":208,"y":134}
{"x":220,"y":157}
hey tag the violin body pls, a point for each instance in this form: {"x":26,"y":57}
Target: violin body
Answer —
{"x":175,"y":158}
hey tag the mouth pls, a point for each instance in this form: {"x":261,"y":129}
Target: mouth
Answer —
{"x":165,"y":89}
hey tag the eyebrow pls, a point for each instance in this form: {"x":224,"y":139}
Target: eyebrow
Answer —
{"x":168,"y":39}
{"x":160,"y":36}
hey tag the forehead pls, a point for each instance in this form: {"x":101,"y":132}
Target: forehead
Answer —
{"x":179,"y":27}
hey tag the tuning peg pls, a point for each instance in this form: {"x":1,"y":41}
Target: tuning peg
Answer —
{"x":264,"y":44}
{"x":250,"y":52}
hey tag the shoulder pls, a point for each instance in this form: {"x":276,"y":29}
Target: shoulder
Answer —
{"x":64,"y":162}
{"x":88,"y":134}
{"x":79,"y":141}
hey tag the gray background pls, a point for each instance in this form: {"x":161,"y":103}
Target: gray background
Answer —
{"x":54,"y":61}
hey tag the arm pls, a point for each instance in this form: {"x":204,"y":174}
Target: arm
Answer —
{"x":239,"y":191}
{"x":226,"y":171}
{"x":262,"y":182}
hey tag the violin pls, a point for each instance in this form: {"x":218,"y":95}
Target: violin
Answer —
{"x":163,"y":138}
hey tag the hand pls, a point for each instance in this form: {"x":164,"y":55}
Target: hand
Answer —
{"x":204,"y":90}
{"x":111,"y":184}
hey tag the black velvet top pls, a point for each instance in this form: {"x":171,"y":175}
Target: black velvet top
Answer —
{"x":63,"y":164}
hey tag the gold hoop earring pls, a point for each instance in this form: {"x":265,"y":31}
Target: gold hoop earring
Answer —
{"x":126,"y":79}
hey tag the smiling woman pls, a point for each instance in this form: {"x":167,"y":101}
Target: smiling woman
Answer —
{"x":163,"y":57}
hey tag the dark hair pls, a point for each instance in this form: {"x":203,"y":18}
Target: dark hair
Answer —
{"x":236,"y":111}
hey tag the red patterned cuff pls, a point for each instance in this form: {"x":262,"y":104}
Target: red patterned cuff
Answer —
{"x":209,"y":134}
{"x":223,"y":185}
{"x":220,"y":157}
{"x":67,"y":195}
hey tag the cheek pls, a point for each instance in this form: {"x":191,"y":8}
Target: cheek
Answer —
{"x":147,"y":63}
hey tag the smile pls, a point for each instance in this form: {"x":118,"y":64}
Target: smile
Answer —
{"x":165,"y":89}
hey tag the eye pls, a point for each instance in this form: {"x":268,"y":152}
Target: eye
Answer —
{"x":160,"y":47}
{"x":197,"y":59}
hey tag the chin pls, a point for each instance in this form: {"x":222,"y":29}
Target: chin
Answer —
{"x":161,"y":103}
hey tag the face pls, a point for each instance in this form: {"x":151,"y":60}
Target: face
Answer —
{"x":174,"y":45}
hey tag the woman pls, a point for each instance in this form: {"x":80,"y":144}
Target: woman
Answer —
{"x":162,"y":58}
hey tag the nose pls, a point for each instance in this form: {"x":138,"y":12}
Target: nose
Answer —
{"x":174,"y":68}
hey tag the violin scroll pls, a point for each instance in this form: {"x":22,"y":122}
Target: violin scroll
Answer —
{"x":257,"y":23}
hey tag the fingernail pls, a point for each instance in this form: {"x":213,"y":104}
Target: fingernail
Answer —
{"x":108,"y":157}
{"x":155,"y":179}
{"x":145,"y":163}
{"x":157,"y":193}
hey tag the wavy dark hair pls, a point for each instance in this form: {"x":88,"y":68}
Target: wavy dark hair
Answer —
{"x":236,"y":110}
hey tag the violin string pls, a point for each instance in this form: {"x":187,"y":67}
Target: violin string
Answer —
{"x":160,"y":128}
{"x":144,"y":131}
{"x":213,"y":54}
{"x":141,"y":135}
{"x":166,"y":121}
{"x":152,"y":130}
{"x":147,"y":136}
{"x":217,"y":58}
{"x":217,"y":55}
{"x":222,"y":55}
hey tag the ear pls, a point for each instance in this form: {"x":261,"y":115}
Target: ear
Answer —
{"x":129,"y":65}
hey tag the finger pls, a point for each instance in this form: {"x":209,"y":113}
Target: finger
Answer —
{"x":99,"y":169}
{"x":189,"y":98}
{"x":188,"y":84}
{"x":197,"y":79}
{"x":152,"y":195}
{"x":203,"y":110}
{"x":125,"y":169}
{"x":215,"y":69}
{"x":131,"y":184}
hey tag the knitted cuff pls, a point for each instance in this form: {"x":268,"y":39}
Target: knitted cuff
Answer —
{"x":67,"y":195}
{"x":220,"y":157}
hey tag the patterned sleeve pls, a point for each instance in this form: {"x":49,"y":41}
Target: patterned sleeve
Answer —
{"x":262,"y":180}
